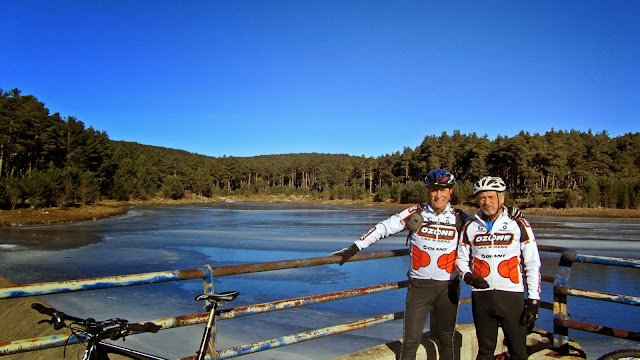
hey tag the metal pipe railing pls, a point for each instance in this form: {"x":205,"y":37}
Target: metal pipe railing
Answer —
{"x":199,"y":318}
{"x":605,"y":260}
{"x":178,"y":275}
{"x":597,"y":295}
{"x":562,"y":321}
{"x":598,"y":329}
{"x":305,"y":336}
{"x":106,"y":282}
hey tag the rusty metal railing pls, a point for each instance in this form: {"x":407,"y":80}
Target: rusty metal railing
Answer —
{"x":561,"y":289}
{"x":192,"y":319}
{"x":562,"y":321}
{"x":207,"y":274}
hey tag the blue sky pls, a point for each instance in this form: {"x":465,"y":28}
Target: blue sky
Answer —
{"x":245,"y":78}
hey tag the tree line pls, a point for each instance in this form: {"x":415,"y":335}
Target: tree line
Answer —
{"x":46,"y":160}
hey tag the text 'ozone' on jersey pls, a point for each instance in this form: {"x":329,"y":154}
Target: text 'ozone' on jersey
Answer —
{"x":433,"y":245}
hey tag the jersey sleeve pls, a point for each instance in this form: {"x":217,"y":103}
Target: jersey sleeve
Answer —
{"x":464,"y":252}
{"x":530,"y":259}
{"x":388,"y":227}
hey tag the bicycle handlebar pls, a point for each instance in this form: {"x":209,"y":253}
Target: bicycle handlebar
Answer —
{"x":43,"y":309}
{"x":95,"y":331}
{"x":146,"y":327}
{"x":112,"y":328}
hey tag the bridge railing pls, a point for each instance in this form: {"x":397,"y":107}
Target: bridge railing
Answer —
{"x":561,"y":289}
{"x":562,"y":321}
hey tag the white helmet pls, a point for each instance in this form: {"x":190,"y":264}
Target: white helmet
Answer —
{"x":494,"y":183}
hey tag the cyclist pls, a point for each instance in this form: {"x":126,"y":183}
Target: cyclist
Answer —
{"x":434,"y":285}
{"x":494,"y":250}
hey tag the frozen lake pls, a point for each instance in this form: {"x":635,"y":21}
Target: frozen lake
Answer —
{"x":187,"y":237}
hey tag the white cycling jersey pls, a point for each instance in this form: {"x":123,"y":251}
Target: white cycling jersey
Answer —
{"x":501,"y":254}
{"x":433,"y":245}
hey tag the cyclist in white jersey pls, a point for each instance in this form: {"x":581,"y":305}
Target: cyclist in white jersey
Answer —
{"x":498,"y":257}
{"x":434,"y":285}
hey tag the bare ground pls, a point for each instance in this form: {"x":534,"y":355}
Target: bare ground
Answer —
{"x":19,"y":321}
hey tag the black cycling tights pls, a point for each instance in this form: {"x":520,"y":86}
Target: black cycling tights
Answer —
{"x":440,"y":298}
{"x":499,"y":308}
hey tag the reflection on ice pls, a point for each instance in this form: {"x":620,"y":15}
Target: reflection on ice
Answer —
{"x":586,"y":233}
{"x":228,"y":256}
{"x":257,"y":235}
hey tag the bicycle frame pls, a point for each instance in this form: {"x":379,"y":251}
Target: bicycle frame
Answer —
{"x":209,"y":341}
{"x":100,"y":350}
{"x":211,"y":329}
{"x":97,"y":350}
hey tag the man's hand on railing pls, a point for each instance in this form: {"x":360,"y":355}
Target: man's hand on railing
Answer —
{"x":346,"y":253}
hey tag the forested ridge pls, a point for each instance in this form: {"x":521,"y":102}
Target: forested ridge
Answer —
{"x":46,"y":160}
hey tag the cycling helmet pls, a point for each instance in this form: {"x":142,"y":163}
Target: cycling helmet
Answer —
{"x":440,"y":177}
{"x":494,"y":183}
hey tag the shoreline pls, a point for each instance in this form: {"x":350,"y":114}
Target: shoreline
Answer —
{"x":110,"y":208}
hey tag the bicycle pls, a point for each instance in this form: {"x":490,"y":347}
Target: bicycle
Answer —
{"x":94,"y":332}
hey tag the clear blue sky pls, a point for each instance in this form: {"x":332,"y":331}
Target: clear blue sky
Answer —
{"x":361,"y":77}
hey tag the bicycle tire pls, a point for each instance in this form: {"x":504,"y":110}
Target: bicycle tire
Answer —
{"x":622,"y":354}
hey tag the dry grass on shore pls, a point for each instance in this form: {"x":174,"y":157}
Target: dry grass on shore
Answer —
{"x":113,"y":208}
{"x":58,"y":215}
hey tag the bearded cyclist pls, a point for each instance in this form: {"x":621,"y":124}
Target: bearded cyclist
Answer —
{"x":434,"y":285}
{"x":494,"y":250}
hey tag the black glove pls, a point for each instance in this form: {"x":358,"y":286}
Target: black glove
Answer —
{"x":346,"y":253}
{"x":476,"y":281}
{"x":530,"y":314}
{"x":515,"y":213}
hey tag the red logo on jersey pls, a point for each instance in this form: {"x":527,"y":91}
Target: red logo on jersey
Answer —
{"x":364,"y":236}
{"x":481,"y":267}
{"x":419,"y":258}
{"x":447,"y":261}
{"x":509,"y":269}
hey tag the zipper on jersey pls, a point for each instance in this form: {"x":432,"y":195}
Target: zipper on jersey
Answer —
{"x":493,"y":258}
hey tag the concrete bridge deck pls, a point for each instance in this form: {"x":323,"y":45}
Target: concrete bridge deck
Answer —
{"x":538,"y":346}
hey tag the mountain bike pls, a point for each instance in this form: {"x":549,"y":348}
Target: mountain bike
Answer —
{"x":93,"y":332}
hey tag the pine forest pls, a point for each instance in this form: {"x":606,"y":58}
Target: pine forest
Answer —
{"x":46,"y":161}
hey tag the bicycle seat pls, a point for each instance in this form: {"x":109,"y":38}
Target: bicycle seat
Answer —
{"x":225,"y":296}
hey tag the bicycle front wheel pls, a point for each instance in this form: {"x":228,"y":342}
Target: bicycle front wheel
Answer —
{"x":622,"y":354}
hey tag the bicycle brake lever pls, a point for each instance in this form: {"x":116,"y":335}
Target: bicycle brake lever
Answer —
{"x":56,"y":325}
